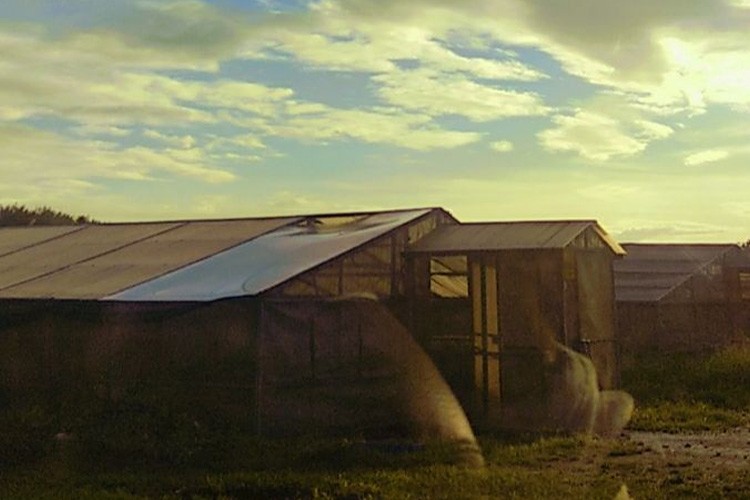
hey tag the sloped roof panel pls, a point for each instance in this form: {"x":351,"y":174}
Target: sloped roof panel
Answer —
{"x":56,"y":254}
{"x":697,"y":254}
{"x":507,"y":236}
{"x":649,"y":272}
{"x":145,"y":259}
{"x":13,"y":239}
{"x":269,"y":260}
{"x":641,"y":294}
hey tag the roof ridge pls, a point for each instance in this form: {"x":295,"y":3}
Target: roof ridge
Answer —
{"x":536,"y":221}
{"x":699,"y":244}
{"x":270,"y":217}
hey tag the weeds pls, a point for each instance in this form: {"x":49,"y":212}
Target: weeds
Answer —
{"x":672,"y":416}
{"x":690,"y":392}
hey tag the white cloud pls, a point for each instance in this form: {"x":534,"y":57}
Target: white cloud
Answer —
{"x":708,"y":156}
{"x":439,"y":94}
{"x":334,"y":38}
{"x":627,"y":47}
{"x":596,"y":136}
{"x":38,"y":158}
{"x":501,"y":146}
{"x":105,"y":87}
{"x":183,"y":142}
{"x":107,"y":130}
{"x":385,"y":126}
{"x":248,"y":141}
{"x":669,"y":231}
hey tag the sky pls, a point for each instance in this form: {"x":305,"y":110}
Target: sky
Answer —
{"x":631,"y":113}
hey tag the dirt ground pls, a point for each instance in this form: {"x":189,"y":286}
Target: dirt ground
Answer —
{"x":661,"y":465}
{"x":729,"y":449}
{"x":657,"y":465}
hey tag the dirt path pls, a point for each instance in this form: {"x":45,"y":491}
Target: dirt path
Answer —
{"x":658,"y":465}
{"x":730,"y":449}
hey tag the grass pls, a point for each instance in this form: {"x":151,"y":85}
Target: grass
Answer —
{"x":174,"y":458}
{"x":549,"y":467}
{"x":690,"y":392}
{"x":681,"y":416}
{"x":327,"y":470}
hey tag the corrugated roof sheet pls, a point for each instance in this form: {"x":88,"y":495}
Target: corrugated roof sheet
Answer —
{"x":269,"y":260}
{"x":105,"y":259}
{"x":508,"y":236}
{"x":13,"y":239}
{"x":651,"y":271}
{"x":52,"y":255}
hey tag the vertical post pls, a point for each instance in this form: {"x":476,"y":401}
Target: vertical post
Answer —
{"x":485,"y":342}
{"x":394,"y":268}
{"x":479,"y":336}
{"x":492,"y":326}
{"x":696,"y":333}
{"x":360,"y":353}
{"x":259,"y":319}
{"x":341,"y":277}
{"x":311,"y":329}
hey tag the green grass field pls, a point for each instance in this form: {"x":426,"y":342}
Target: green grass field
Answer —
{"x":675,"y":394}
{"x":690,"y":392}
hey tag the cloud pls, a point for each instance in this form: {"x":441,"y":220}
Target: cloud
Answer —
{"x":599,"y":137}
{"x":39,"y":158}
{"x":439,"y":79}
{"x":622,"y":46}
{"x":621,"y":35}
{"x":172,"y":33}
{"x":144,"y":90}
{"x":106,"y":130}
{"x":335,"y":36}
{"x":183,"y":142}
{"x":669,"y":231}
{"x":708,"y":156}
{"x":604,"y":127}
{"x":501,"y":146}
{"x":247,"y":141}
{"x":439,"y":94}
{"x":45,"y":78}
{"x":104,"y":86}
{"x":384,"y":125}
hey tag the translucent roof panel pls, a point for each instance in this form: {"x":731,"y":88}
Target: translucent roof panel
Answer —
{"x":74,"y":247}
{"x":649,"y":272}
{"x":13,"y":239}
{"x":145,"y":259}
{"x":269,"y":260}
{"x":491,"y":236}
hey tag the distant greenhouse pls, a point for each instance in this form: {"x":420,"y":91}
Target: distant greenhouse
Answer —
{"x":682,"y":296}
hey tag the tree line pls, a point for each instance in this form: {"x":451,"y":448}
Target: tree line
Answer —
{"x":20,"y":215}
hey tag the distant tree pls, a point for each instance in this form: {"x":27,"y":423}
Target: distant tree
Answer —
{"x":19,"y":215}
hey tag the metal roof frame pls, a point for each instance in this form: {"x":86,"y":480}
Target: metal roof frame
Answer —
{"x":511,"y":235}
{"x":633,"y":264}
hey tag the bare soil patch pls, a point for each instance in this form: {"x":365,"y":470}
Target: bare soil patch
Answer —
{"x":727,"y":449}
